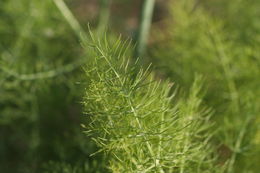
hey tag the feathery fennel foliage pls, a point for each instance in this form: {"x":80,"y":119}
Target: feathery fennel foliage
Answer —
{"x":222,"y":46}
{"x":137,"y":122}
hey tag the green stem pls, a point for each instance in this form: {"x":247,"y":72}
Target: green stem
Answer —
{"x":234,"y":97}
{"x":18,"y":46}
{"x":145,"y":24}
{"x":149,"y":147}
{"x":238,"y":143}
{"x":45,"y":74}
{"x":70,"y":18}
{"x":104,"y":16}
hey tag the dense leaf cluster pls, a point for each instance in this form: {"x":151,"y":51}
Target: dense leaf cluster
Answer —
{"x":138,"y":122}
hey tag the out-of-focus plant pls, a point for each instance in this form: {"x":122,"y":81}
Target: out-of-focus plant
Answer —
{"x":40,"y":113}
{"x":144,"y":28}
{"x":219,"y":42}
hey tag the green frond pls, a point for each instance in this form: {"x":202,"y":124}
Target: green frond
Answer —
{"x":134,"y":120}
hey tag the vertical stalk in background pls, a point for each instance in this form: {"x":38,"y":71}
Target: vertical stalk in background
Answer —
{"x":73,"y":22}
{"x":145,"y":23}
{"x":103,"y":16}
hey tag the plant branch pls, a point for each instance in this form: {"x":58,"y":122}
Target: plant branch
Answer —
{"x":46,"y":74}
{"x":70,"y":18}
{"x":103,"y":16}
{"x":145,"y":24}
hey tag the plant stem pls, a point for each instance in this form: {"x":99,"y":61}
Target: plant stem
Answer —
{"x":149,"y":147}
{"x":45,"y":74}
{"x":70,"y":18}
{"x":145,"y":24}
{"x":104,"y":16}
{"x":237,"y":146}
